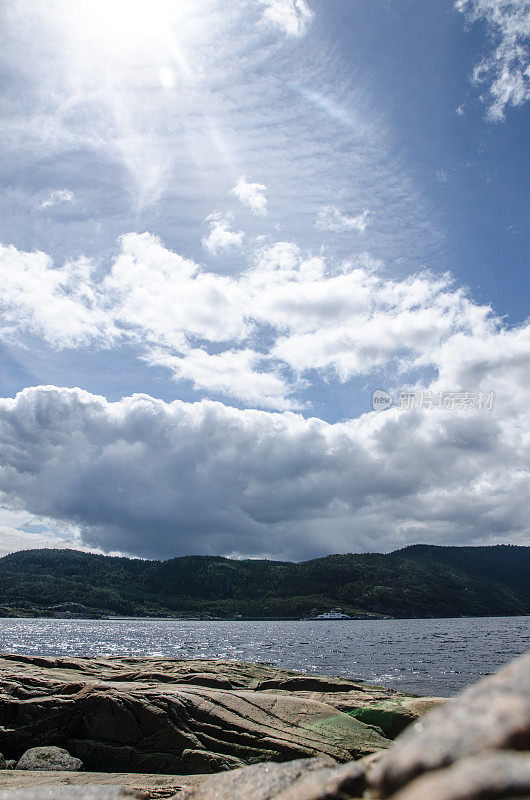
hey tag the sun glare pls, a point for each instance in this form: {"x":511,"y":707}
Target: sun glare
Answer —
{"x":128,"y":19}
{"x":129,"y":28}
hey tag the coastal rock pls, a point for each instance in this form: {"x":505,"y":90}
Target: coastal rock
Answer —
{"x":49,"y":758}
{"x":154,"y":786}
{"x":470,"y":748}
{"x":302,"y":779}
{"x":373,"y":705}
{"x":3,"y":763}
{"x":474,"y":747}
{"x":420,"y":705}
{"x":491,"y":775}
{"x":185,"y":717}
{"x":493,"y":714}
{"x":67,"y":793}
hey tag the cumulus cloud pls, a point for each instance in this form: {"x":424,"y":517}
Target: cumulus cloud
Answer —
{"x":150,"y":478}
{"x":157,"y":295}
{"x":57,"y":197}
{"x":158,"y":479}
{"x":293,"y":17}
{"x":234,"y":373}
{"x":20,"y":530}
{"x":251,"y":195}
{"x":331,"y":219}
{"x":221,"y":236}
{"x":506,"y":69}
{"x":64,"y":306}
{"x":203,"y":327}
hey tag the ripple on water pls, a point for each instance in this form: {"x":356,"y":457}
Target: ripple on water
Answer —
{"x":421,"y":656}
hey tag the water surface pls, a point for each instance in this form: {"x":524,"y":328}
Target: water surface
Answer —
{"x":427,"y":657}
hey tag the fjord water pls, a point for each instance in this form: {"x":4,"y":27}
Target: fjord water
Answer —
{"x":423,"y":656}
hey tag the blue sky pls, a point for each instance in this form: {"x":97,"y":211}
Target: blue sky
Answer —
{"x":273,"y":207}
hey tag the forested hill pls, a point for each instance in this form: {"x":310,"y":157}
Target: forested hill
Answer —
{"x":421,"y":580}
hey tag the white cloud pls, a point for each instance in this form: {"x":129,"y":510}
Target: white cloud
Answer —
{"x":331,"y":219}
{"x":251,"y":195}
{"x":507,"y":68}
{"x":162,"y":298}
{"x":157,"y":479}
{"x":63,"y":306}
{"x":57,"y":197}
{"x":221,"y":236}
{"x":342,"y":323}
{"x":162,"y":478}
{"x":234,"y":373}
{"x":14,"y":533}
{"x":293,"y":17}
{"x":113,"y":132}
{"x":441,"y":175}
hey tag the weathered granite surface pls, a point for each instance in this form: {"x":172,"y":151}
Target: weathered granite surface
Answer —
{"x":186,"y":717}
{"x":154,"y":786}
{"x":475,"y":747}
{"x":493,"y":714}
{"x":310,"y":778}
{"x":489,"y":775}
{"x":66,"y":793}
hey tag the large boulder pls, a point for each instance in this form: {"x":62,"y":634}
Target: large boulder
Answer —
{"x":49,"y":758}
{"x":187,"y":717}
{"x":505,"y":774}
{"x":493,"y":714}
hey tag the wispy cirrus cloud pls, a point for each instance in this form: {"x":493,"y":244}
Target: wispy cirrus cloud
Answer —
{"x":57,"y":197}
{"x":506,"y":70}
{"x":293,"y":17}
{"x":161,"y":150}
{"x":331,"y":219}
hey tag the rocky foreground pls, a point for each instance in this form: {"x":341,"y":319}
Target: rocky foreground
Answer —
{"x":188,"y":717}
{"x":161,"y":726}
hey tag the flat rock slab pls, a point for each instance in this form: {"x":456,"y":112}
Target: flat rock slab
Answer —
{"x":215,"y":673}
{"x":66,"y":793}
{"x":387,"y":706}
{"x":185,"y":717}
{"x":493,"y":714}
{"x":152,"y":785}
{"x":302,"y":779}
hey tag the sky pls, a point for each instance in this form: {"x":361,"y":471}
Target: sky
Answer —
{"x":223,"y":226}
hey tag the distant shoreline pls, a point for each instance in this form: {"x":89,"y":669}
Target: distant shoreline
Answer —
{"x":421,"y":581}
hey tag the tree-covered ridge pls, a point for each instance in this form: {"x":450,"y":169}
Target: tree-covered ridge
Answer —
{"x":422,"y":580}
